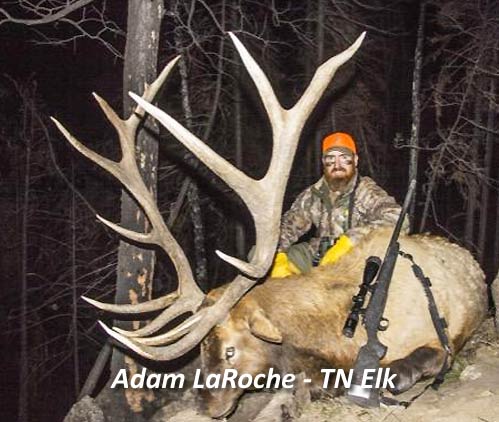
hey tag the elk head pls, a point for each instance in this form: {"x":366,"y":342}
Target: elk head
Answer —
{"x":246,"y":341}
{"x":287,"y":125}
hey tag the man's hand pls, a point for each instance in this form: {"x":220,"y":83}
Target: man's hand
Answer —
{"x":340,"y":248}
{"x":283,"y":267}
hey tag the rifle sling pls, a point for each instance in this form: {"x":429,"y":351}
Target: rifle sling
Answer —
{"x":440,"y":325}
{"x":438,"y":322}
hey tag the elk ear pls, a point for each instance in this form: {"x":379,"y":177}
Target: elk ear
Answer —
{"x":261,"y":327}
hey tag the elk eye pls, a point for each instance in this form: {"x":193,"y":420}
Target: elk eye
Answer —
{"x":230,"y":352}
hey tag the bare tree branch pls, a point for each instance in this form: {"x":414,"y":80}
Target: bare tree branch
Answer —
{"x":90,"y":21}
{"x":49,"y":15}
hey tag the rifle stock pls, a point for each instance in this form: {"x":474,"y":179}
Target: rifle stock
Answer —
{"x":373,"y":351}
{"x":368,"y":357}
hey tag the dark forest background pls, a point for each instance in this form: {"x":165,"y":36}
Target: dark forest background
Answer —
{"x":424,"y":80}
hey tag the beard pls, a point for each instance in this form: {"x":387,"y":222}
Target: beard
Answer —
{"x":339,"y":179}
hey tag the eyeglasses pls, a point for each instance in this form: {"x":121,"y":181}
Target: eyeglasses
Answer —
{"x":345,"y":159}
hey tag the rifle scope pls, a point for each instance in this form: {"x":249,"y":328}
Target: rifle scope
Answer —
{"x":370,"y":270}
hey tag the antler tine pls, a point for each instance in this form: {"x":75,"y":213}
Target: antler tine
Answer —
{"x":127,"y":172}
{"x":177,"y":309}
{"x":107,"y":164}
{"x":161,"y":236}
{"x":267,"y":95}
{"x":210,"y":316}
{"x":170,"y":336}
{"x":234,"y":177}
{"x":321,"y":80}
{"x":149,"y":306}
{"x":150,"y":91}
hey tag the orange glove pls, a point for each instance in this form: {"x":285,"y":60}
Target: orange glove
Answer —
{"x":340,"y":248}
{"x":283,"y":267}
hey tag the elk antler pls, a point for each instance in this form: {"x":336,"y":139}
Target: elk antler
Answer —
{"x":269,"y":191}
{"x":127,"y":172}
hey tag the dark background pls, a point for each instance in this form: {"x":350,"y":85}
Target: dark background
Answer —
{"x":49,"y":193}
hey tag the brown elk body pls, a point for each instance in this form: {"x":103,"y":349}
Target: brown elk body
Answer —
{"x":295,"y":324}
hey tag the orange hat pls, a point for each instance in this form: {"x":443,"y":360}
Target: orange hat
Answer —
{"x":339,"y":139}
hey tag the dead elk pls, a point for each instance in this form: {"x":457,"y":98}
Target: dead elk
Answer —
{"x":292,"y":324}
{"x":295,"y":324}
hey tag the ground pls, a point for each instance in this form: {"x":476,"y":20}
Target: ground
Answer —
{"x":469,"y":393}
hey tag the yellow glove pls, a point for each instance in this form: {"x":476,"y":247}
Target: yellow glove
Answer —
{"x":340,"y":248}
{"x":283,"y":266}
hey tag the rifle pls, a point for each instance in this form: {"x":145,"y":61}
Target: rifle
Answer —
{"x":373,"y":351}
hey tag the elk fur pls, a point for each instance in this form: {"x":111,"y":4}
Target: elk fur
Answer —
{"x":294,"y":324}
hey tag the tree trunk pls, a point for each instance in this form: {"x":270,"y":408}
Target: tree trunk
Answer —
{"x":451,"y":132}
{"x":320,"y":58}
{"x":74,"y":289}
{"x":96,"y":371}
{"x":472,"y":200}
{"x":200,"y":269}
{"x":309,"y":162}
{"x":23,"y":402}
{"x":484,"y":206}
{"x":189,"y":187}
{"x":416,"y":108}
{"x":238,"y":139}
{"x":135,"y":265}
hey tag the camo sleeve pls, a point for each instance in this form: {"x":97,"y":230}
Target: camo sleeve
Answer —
{"x":296,"y":221}
{"x":374,"y":208}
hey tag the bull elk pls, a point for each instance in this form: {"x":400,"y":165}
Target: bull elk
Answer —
{"x":241,"y":327}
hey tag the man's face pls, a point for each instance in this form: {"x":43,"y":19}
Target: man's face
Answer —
{"x":339,"y":166}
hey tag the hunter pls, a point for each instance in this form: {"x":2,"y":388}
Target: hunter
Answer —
{"x":343,"y":206}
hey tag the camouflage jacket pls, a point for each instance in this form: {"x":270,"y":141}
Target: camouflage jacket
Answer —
{"x":334,"y":213}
